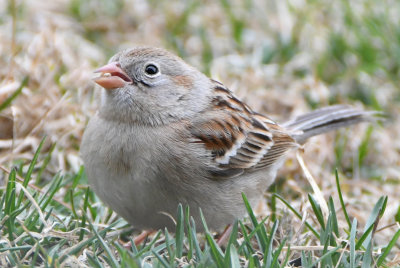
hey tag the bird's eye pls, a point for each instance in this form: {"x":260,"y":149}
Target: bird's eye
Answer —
{"x":151,"y":70}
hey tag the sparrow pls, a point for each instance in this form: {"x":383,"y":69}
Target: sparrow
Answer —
{"x":166,"y":134}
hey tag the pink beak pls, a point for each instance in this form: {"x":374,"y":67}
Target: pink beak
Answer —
{"x":112,"y":76}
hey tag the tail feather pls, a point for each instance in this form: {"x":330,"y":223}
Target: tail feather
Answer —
{"x":327,"y":119}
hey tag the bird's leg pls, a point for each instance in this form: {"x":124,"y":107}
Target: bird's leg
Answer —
{"x":138,"y":239}
{"x":223,"y":239}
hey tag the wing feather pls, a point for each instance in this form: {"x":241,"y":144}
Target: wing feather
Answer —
{"x":238,"y":139}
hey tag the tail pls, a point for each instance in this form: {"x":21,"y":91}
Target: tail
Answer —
{"x":327,"y":119}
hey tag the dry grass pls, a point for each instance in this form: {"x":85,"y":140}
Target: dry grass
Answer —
{"x":281,"y":57}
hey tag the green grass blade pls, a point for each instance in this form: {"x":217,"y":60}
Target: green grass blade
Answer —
{"x":190,"y":242}
{"x":48,"y":197}
{"x":17,"y":248}
{"x":332,"y":211}
{"x":275,"y":260}
{"x":15,"y":94}
{"x":94,"y":261}
{"x":78,"y":247}
{"x":32,"y":165}
{"x":364,"y":146}
{"x":250,"y":235}
{"x":133,"y":246}
{"x":327,"y":262}
{"x":127,"y":258}
{"x":298,"y":216}
{"x":324,"y":256}
{"x":35,"y":255}
{"x":231,"y":242}
{"x":146,"y":249}
{"x":9,"y":203}
{"x":367,"y":259}
{"x":272,"y":204}
{"x":247,"y":240}
{"x":195,"y":240}
{"x":83,"y":217}
{"x":305,"y":260}
{"x":317,"y":210}
{"x":346,"y":215}
{"x":233,"y":257}
{"x":161,"y":259}
{"x":168,"y":244}
{"x":71,"y":197}
{"x":268,"y":249}
{"x":383,"y":207}
{"x":388,"y":248}
{"x":179,"y":234}
{"x":396,"y":217}
{"x":216,"y":251}
{"x":261,"y":233}
{"x":363,"y":237}
{"x":374,"y":217}
{"x":247,"y":246}
{"x":112,"y":261}
{"x":285,"y":262}
{"x":327,"y":240}
{"x":353,"y":232}
{"x":45,"y":163}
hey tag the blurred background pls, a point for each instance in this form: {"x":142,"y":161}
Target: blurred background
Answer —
{"x":282,"y":57}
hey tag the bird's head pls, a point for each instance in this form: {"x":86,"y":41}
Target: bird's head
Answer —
{"x":151,"y":86}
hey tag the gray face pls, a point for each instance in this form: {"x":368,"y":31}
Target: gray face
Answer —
{"x":163,"y":89}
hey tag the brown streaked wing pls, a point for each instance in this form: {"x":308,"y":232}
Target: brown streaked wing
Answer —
{"x":283,"y":142}
{"x":238,"y":138}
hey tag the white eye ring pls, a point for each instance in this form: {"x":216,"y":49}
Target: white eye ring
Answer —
{"x":152,"y":70}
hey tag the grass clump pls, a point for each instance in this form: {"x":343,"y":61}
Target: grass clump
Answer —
{"x":50,"y":226}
